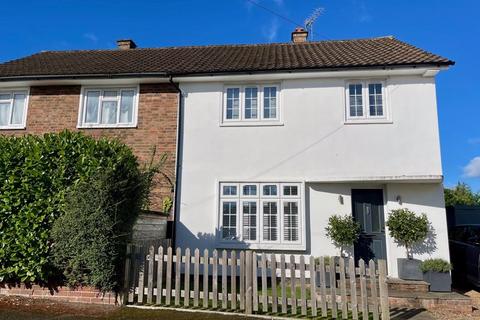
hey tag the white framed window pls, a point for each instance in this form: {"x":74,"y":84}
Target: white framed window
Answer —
{"x":103,"y":107}
{"x":13,"y":108}
{"x":366,"y":101}
{"x":251,"y":104}
{"x":261,"y":214}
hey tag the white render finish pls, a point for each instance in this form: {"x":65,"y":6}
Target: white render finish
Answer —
{"x":313,"y":144}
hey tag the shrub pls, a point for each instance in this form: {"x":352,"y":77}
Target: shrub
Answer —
{"x":435,"y":265}
{"x":90,"y":237}
{"x":407,"y":228}
{"x":36,"y":172}
{"x":343,"y":231}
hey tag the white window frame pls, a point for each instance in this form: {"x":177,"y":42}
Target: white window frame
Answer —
{"x":260,"y":120}
{"x":259,"y":199}
{"x":367,"y":118}
{"x":82,"y":108}
{"x":12,"y":92}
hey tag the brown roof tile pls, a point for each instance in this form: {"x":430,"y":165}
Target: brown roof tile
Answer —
{"x":375,"y":52}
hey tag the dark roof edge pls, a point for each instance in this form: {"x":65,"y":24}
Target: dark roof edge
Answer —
{"x":219,"y":73}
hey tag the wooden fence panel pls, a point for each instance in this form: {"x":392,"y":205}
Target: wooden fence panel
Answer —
{"x":178,"y":266}
{"x":186,"y":296}
{"x":299,"y":277}
{"x":160,"y":275}
{"x":206,"y":262}
{"x":264,"y":283}
{"x":168,"y":284}
{"x":215,"y":279}
{"x":283,"y":283}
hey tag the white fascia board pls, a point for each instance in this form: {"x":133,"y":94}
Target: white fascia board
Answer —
{"x":310,"y":75}
{"x":397,"y":179}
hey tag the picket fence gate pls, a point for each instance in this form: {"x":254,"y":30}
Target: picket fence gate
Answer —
{"x":274,"y":284}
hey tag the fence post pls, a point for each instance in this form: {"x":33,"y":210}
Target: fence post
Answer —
{"x":126,"y":281}
{"x":160,"y":275}
{"x":215,"y":279}
{"x":373,"y":288}
{"x":313,"y":291}
{"x":384,"y":304}
{"x":151,"y":261}
{"x":186,"y":290}
{"x":293,"y":288}
{"x":178,"y":270}
{"x":343,"y":289}
{"x":206,"y":262}
{"x":255,"y":281}
{"x":224,"y":280}
{"x":196,"y":281}
{"x":323,"y":287}
{"x":353,"y":288}
{"x":363,"y":290}
{"x":283,"y":284}
{"x":248,"y":283}
{"x":273,"y":281}
{"x":233,"y":285}
{"x":168,"y":284}
{"x":141,"y":277}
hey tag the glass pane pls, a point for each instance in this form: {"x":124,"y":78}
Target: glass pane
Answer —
{"x":110,"y":94}
{"x":4,"y":96}
{"x":233,"y":103}
{"x":109,"y":112}
{"x":269,"y":102}
{"x":229,"y":217}
{"x":126,"y":106}
{"x":270,"y":190}
{"x":250,"y":190}
{"x":229,"y":190}
{"x":18,"y":108}
{"x":290,"y":216}
{"x":250,"y":221}
{"x":270,"y":221}
{"x":4,"y":114}
{"x":356,"y":100}
{"x":91,"y":112}
{"x":375,"y":99}
{"x":290,"y":191}
{"x":251,"y":103}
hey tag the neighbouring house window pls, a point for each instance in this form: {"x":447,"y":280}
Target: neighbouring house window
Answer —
{"x":251,"y":103}
{"x":109,"y":107}
{"x":365,"y":100}
{"x":268,"y":213}
{"x":13,"y":109}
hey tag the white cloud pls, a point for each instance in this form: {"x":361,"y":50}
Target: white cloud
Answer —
{"x":270,"y":31}
{"x":90,"y":36}
{"x":363,"y":13}
{"x":472,"y":169}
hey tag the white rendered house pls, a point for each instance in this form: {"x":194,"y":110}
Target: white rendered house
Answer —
{"x":267,"y":157}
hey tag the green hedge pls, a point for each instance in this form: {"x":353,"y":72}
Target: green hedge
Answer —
{"x":36,"y":172}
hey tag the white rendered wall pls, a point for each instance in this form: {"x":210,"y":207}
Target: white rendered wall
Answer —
{"x":419,"y":197}
{"x":313,"y":145}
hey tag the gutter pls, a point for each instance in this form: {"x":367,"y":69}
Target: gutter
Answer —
{"x":219,"y":73}
{"x":178,"y":155}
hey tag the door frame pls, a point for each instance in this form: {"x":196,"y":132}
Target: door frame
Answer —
{"x":383,"y":189}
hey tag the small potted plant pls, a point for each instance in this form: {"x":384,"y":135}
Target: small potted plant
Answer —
{"x":343,"y":231}
{"x":408,"y":229}
{"x":437,"y":273}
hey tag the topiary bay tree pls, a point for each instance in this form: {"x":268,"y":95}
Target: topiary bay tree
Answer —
{"x":408,"y":229}
{"x":343,"y":231}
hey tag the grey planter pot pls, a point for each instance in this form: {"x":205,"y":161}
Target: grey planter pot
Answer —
{"x":439,"y":281}
{"x":409,"y":269}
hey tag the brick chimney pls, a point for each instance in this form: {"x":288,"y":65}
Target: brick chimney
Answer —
{"x":125,"y":44}
{"x":299,"y":35}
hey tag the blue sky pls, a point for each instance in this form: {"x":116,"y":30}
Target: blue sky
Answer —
{"x":451,"y":30}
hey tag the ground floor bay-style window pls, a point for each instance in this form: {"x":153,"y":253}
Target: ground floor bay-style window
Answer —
{"x":261,"y":214}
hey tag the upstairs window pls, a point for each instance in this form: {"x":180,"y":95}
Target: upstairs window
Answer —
{"x":13,"y":109}
{"x":109,"y":107}
{"x":251,"y":104}
{"x":365,"y":100}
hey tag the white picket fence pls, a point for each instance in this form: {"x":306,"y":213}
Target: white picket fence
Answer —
{"x":263,"y":283}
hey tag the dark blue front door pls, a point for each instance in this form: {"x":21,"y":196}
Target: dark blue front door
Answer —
{"x":367,"y":209}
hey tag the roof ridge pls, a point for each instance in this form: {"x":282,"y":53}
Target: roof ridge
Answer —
{"x":221,"y":45}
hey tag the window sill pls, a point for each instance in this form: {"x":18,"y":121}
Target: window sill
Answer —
{"x":368,"y":121}
{"x":13,"y":128}
{"x":260,"y":246}
{"x":106,"y":126}
{"x":251,"y":124}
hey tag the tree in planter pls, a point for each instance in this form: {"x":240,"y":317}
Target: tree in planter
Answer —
{"x":343,"y":231}
{"x":408,"y":229}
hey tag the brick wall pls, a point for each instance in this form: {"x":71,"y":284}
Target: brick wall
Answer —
{"x":80,"y":295}
{"x":55,"y":108}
